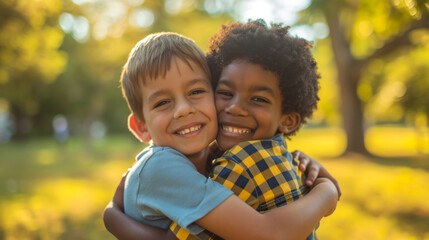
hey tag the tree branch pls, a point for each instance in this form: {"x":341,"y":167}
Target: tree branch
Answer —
{"x":398,"y":41}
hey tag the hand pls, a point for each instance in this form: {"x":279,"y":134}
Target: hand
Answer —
{"x":314,"y":170}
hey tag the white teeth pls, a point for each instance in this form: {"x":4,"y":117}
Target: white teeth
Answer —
{"x":188,"y":130}
{"x":236,"y":130}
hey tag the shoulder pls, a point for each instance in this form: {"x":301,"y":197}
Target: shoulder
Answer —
{"x":161,"y":154}
{"x":255,"y":150}
{"x":157,"y":160}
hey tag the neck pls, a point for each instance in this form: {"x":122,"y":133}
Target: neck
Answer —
{"x":200,"y":161}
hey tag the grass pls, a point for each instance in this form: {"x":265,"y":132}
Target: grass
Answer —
{"x":51,"y":191}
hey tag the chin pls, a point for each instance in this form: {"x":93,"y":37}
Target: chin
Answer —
{"x":193,"y":150}
{"x":225,"y":145}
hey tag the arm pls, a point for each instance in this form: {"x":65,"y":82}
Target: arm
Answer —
{"x":314,"y":169}
{"x":231,"y":218}
{"x":234,"y":220}
{"x":123,"y":227}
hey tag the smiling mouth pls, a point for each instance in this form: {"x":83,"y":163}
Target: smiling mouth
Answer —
{"x":236,"y":130}
{"x":189,"y":130}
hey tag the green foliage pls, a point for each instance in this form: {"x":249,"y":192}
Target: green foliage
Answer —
{"x":29,"y":52}
{"x":394,"y":81}
{"x":46,"y":70}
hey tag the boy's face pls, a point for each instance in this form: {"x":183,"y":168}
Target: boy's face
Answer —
{"x":179,"y":110}
{"x":248,"y":102}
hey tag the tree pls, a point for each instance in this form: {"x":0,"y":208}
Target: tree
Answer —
{"x":388,"y":28}
{"x":29,"y":55}
{"x":65,"y":57}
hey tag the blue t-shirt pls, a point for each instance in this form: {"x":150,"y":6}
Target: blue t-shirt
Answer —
{"x":164,"y":186}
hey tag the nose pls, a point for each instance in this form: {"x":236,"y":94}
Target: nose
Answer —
{"x":236,"y":107}
{"x":183,"y":108}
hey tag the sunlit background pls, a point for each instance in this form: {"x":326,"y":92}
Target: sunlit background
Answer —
{"x":63,"y":137}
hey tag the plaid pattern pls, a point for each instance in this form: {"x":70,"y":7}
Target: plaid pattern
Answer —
{"x":262,"y":173}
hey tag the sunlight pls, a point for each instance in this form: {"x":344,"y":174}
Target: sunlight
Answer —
{"x":394,"y":141}
{"x":271,"y":11}
{"x":142,"y":18}
{"x":77,"y":26}
{"x":382,"y":199}
{"x":285,"y":12}
{"x":376,"y":201}
{"x":215,"y":7}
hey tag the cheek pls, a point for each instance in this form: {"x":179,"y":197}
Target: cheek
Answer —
{"x":221,"y":105}
{"x":209,"y":108}
{"x":267,"y":125}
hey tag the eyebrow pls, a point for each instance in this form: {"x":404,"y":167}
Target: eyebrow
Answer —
{"x":261,"y":88}
{"x":199,"y":80}
{"x":257,"y":88}
{"x":192,"y":82}
{"x":155,"y":95}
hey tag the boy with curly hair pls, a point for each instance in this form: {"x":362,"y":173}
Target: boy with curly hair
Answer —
{"x":266,"y":85}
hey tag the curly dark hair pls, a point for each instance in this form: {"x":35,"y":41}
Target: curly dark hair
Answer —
{"x":275,"y":50}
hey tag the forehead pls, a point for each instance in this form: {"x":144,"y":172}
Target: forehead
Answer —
{"x":177,"y":78}
{"x":252,"y":76}
{"x":175,"y":64}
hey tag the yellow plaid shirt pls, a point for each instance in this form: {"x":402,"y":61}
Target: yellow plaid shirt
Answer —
{"x":262,"y":173}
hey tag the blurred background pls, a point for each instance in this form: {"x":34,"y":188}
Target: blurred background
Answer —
{"x":63,"y":137}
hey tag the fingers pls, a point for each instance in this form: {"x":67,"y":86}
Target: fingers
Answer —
{"x":296,"y":154}
{"x":313,"y":170}
{"x":312,"y":173}
{"x":303,"y":160}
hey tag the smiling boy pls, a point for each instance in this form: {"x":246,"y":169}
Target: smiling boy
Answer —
{"x":184,"y":90}
{"x":266,"y":85}
{"x":167,"y":87}
{"x":248,"y":101}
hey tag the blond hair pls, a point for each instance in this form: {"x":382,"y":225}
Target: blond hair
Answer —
{"x":150,"y":58}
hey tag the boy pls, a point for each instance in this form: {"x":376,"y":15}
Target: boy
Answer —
{"x":266,"y":88}
{"x":167,"y":89}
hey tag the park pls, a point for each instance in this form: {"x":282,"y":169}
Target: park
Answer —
{"x":64,"y":142}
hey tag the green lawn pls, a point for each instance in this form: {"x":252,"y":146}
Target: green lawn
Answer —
{"x":51,"y":191}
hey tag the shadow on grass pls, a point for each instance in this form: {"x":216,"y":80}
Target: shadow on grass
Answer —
{"x":413,"y":221}
{"x":415,"y":162}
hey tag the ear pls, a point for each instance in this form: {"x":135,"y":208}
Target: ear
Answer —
{"x":138,"y":128}
{"x":289,"y":122}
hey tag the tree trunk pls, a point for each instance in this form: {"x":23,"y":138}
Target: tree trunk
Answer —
{"x":349,"y":69}
{"x":349,"y":73}
{"x":351,"y":109}
{"x":20,"y":125}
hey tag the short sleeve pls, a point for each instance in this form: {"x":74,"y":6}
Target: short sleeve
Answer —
{"x":170,"y":185}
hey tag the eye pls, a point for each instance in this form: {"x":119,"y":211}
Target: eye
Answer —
{"x":197,"y":91}
{"x":260,"y":100}
{"x":224,"y":93}
{"x":161,"y":103}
